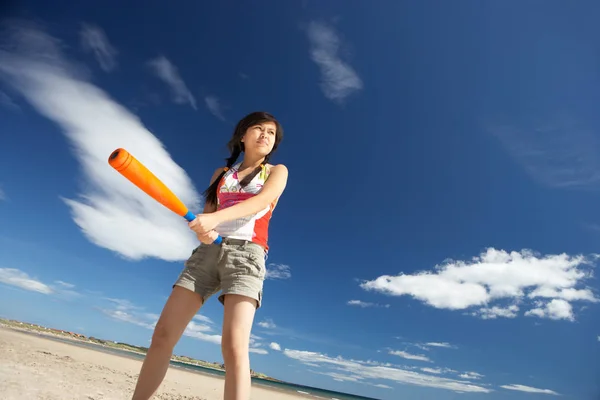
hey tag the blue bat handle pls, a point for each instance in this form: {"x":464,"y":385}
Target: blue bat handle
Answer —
{"x":190,"y":216}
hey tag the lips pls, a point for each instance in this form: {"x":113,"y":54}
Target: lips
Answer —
{"x":263,"y":142}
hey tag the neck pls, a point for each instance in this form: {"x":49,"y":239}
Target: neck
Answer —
{"x":251,"y":161}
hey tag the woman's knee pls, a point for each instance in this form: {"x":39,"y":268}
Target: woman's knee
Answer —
{"x":234,"y":347}
{"x":164,"y":336}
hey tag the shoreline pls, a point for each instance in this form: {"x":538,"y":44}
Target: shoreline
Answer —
{"x":38,"y":366}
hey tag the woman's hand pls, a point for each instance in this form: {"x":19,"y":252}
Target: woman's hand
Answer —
{"x":204,"y":223}
{"x":207,"y":238}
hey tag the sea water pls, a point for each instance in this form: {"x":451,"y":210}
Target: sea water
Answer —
{"x":284,"y":387}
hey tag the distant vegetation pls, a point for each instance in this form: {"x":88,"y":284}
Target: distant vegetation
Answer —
{"x":116,"y":345}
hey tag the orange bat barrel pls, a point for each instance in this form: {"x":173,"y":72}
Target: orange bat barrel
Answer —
{"x":143,"y":178}
{"x":137,"y":173}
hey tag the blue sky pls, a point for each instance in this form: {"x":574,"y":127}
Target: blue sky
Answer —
{"x":438,"y":236}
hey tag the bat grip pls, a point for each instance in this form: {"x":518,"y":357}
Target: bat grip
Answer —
{"x":190,"y":216}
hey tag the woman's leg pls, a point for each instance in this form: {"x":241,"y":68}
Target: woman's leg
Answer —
{"x":180,"y":308}
{"x":237,"y":322}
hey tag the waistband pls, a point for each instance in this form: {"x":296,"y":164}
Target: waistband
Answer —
{"x":242,"y":242}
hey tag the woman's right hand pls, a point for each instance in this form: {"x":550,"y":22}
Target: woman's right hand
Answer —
{"x":208,"y":237}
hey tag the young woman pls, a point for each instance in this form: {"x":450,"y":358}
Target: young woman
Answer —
{"x":239,"y":203}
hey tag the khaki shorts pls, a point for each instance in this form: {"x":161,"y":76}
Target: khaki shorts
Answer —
{"x":234,"y":267}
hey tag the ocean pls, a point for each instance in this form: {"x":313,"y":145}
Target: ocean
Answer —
{"x":285,"y":387}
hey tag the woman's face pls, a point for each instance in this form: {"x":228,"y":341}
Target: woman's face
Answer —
{"x":259,"y":139}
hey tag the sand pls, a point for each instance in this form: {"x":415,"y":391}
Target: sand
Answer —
{"x":35,"y":367}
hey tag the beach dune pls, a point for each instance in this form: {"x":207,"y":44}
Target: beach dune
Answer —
{"x":35,"y":367}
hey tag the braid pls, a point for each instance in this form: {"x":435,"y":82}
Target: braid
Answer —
{"x":256,"y":171}
{"x":211,"y":193}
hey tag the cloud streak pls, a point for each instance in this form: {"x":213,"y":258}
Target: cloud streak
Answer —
{"x":365,"y":304}
{"x":21,"y":279}
{"x":338,"y":79}
{"x":94,"y":40}
{"x":549,"y":283}
{"x":278,"y":271}
{"x":110,"y":211}
{"x":169,"y":74}
{"x":556,"y":150}
{"x":366,"y":371}
{"x":214,"y":106}
{"x":529,"y":389}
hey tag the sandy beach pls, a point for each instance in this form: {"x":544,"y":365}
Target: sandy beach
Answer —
{"x":35,"y":367}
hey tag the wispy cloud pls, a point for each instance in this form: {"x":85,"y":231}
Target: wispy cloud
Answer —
{"x":338,"y":79}
{"x":556,"y":150}
{"x":2,"y":194}
{"x":214,"y":106}
{"x":365,"y":304}
{"x":278,"y":271}
{"x":165,"y":70}
{"x":123,"y":310}
{"x":94,"y":40}
{"x":366,"y":371}
{"x":21,"y":279}
{"x":497,"y":275}
{"x":408,"y":356}
{"x":471,"y":375}
{"x":440,"y":344}
{"x":111,"y":212}
{"x":529,"y":389}
{"x":7,"y":102}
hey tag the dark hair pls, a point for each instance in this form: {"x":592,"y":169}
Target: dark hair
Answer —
{"x":236,"y":147}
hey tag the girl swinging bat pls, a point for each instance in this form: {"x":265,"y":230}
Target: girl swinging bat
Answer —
{"x":239,"y":204}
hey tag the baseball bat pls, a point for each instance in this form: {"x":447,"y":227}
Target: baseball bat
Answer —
{"x":137,"y":173}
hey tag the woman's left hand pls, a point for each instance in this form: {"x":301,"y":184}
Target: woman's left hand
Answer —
{"x":204,"y":223}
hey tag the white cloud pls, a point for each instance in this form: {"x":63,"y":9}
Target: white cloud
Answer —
{"x":258,"y":350}
{"x":362,"y":370}
{"x":365,"y":304}
{"x":65,"y":284}
{"x":201,"y":332}
{"x":496,"y":275}
{"x":20,"y":279}
{"x":275,"y":346}
{"x":165,"y":70}
{"x":214,"y":106}
{"x":125,"y":316}
{"x":528,"y":389}
{"x":338,"y":79}
{"x":278,"y":271}
{"x":432,"y":370}
{"x":555,"y":309}
{"x":203,"y":318}
{"x":16,"y":277}
{"x":495,"y":312}
{"x":471,"y":375}
{"x":267,"y":323}
{"x":440,"y":344}
{"x":94,"y":40}
{"x":2,"y":194}
{"x":408,"y":356}
{"x":111,"y":212}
